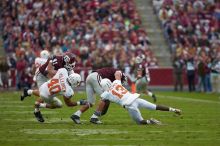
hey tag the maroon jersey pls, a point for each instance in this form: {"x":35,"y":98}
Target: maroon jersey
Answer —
{"x":67,"y":61}
{"x":144,"y":67}
{"x":57,"y":62}
{"x":109,"y":73}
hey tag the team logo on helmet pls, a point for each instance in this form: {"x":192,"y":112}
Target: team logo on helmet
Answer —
{"x":74,"y":79}
{"x":69,"y":60}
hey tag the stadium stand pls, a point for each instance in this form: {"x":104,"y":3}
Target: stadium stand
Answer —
{"x":91,"y":29}
{"x":191,"y":26}
{"x":192,"y":29}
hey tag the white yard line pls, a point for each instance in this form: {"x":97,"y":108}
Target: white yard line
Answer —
{"x":105,"y":139}
{"x":49,"y":120}
{"x":16,"y":106}
{"x":189,"y":99}
{"x":10,"y":102}
{"x":27,"y":112}
{"x":79,"y":132}
{"x":83,"y":132}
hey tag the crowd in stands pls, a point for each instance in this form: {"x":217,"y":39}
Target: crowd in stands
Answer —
{"x":192,"y":28}
{"x":100,"y":32}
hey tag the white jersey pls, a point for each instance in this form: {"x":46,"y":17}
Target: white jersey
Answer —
{"x":118,"y":94}
{"x":38,"y":63}
{"x":57,"y":85}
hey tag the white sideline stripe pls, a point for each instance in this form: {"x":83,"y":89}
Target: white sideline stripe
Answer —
{"x":189,"y":99}
{"x":10,"y":102}
{"x":16,"y":106}
{"x":64,"y":120}
{"x":27,"y":112}
{"x":21,"y":120}
{"x":79,"y":132}
{"x":102,"y":131}
{"x":49,"y":120}
{"x":9,"y":99}
{"x":105,"y":139}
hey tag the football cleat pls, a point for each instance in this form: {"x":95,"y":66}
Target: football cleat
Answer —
{"x":39,"y":116}
{"x":76,"y":119}
{"x":154,"y":121}
{"x":178,"y":111}
{"x":25,"y":94}
{"x":95,"y":121}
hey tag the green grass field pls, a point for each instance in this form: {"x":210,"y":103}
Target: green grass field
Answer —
{"x":199,"y":125}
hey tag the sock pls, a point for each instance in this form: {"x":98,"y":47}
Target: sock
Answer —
{"x":30,"y":92}
{"x":162,"y":108}
{"x":42,"y":105}
{"x":148,"y":122}
{"x":172,"y":109}
{"x":78,"y":102}
{"x":144,"y":122}
{"x":36,"y":110}
{"x":78,"y":113}
{"x":150,"y":93}
{"x":96,"y":114}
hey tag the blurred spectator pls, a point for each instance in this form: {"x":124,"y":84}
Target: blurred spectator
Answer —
{"x":216,"y":75}
{"x":190,"y":71}
{"x":201,"y":76}
{"x":157,"y":4}
{"x":208,"y":75}
{"x":178,"y":66}
{"x":4,"y":68}
{"x":27,"y":78}
{"x":20,"y":69}
{"x":191,"y":27}
{"x":85,"y":27}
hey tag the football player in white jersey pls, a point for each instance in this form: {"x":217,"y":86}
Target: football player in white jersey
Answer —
{"x":61,"y":83}
{"x":115,"y":92}
{"x":50,"y":67}
{"x":39,"y":78}
{"x":39,"y":61}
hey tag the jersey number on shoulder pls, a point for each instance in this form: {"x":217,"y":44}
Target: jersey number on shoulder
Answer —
{"x":54,"y":86}
{"x":119,"y":91}
{"x":54,"y":61}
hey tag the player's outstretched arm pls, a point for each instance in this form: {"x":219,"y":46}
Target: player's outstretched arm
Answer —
{"x":43,"y":67}
{"x":71,"y":103}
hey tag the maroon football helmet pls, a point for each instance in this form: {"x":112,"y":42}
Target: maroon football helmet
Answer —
{"x":69,"y":61}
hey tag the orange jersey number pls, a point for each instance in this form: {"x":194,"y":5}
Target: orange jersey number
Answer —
{"x":54,"y":86}
{"x":119,"y":91}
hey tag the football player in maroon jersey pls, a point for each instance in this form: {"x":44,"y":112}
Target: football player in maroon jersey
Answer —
{"x":68,"y":61}
{"x":49,"y":69}
{"x":54,"y":63}
{"x":143,"y":77}
{"x":93,"y":86}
